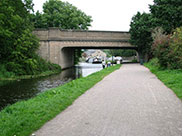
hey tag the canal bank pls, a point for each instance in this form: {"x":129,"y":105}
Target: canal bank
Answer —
{"x":24,"y":89}
{"x":22,"y":118}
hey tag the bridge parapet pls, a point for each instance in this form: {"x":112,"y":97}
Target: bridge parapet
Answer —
{"x":55,"y":34}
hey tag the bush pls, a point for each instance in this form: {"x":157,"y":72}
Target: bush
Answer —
{"x":176,"y":50}
{"x":31,"y":66}
{"x":16,"y":68}
{"x":4,"y":72}
{"x":161,"y":47}
{"x":168,"y":48}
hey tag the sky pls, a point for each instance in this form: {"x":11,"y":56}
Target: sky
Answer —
{"x":107,"y":15}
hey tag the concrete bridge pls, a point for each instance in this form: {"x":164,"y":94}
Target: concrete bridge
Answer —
{"x":57,"y":46}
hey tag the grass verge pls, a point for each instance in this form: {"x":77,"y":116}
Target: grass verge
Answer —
{"x":171,"y":78}
{"x":25,"y":117}
{"x":44,"y":69}
{"x":43,"y":74}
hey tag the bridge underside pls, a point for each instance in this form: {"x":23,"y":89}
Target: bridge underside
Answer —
{"x":62,"y":52}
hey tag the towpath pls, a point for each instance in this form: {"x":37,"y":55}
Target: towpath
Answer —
{"x":129,"y":102}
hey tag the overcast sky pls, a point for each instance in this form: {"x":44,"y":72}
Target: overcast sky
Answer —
{"x":112,"y":15}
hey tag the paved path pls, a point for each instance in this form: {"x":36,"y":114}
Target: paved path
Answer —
{"x":129,"y":102}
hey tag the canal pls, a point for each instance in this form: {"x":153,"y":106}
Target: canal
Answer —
{"x":13,"y":91}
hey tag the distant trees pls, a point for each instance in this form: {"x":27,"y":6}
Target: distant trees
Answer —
{"x":120,"y":52}
{"x":63,"y":15}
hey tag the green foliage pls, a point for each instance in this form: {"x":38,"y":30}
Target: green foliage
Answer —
{"x":168,"y":48}
{"x":127,"y":53}
{"x":134,"y":61}
{"x":4,"y":72}
{"x":120,"y":52}
{"x":171,"y":78}
{"x":25,"y":117}
{"x":176,"y":49}
{"x":167,"y":14}
{"x":18,"y":44}
{"x":164,"y":13}
{"x":61,"y":14}
{"x":161,"y":47}
{"x":154,"y":62}
{"x":14,"y":19}
{"x":77,"y":55}
{"x":140,"y":31}
{"x":22,"y":58}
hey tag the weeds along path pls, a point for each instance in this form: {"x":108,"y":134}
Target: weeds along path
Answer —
{"x":130,"y":101}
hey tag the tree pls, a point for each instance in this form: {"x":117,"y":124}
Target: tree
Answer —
{"x":167,"y":13}
{"x":120,"y":52}
{"x":18,"y":44}
{"x":63,"y":15}
{"x":140,"y":32}
{"x":14,"y":19}
{"x":128,"y":53}
{"x":168,"y":48}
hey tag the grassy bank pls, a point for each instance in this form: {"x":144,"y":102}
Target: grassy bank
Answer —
{"x":5,"y":80}
{"x":46,"y":73}
{"x":25,"y":117}
{"x":43,"y":69}
{"x":171,"y":78}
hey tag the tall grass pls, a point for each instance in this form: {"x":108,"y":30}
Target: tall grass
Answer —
{"x":25,"y":117}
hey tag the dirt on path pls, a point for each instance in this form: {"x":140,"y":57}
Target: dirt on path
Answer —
{"x":129,"y":102}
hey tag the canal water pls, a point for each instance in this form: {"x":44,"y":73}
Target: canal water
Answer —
{"x":13,"y":91}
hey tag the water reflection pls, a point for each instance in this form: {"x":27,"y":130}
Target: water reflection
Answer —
{"x":86,"y":68}
{"x":11,"y":92}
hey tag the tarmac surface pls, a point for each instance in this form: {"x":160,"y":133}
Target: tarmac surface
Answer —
{"x":129,"y":102}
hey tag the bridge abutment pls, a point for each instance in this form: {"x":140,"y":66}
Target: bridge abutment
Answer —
{"x":66,"y":58}
{"x":55,"y":53}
